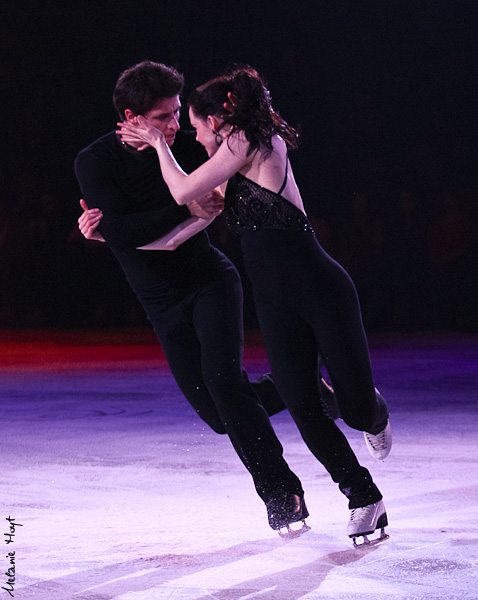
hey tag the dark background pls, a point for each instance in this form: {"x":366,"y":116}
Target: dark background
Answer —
{"x":384,"y":92}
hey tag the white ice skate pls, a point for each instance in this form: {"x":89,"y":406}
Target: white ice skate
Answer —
{"x":364,"y":521}
{"x":379,"y":445}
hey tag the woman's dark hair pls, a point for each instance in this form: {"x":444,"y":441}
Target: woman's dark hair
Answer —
{"x":140,"y":87}
{"x":251,"y":109}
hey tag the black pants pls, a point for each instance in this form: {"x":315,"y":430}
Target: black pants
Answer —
{"x":202,"y":338}
{"x":306,"y":305}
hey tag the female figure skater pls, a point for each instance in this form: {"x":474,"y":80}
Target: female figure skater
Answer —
{"x":306,"y":303}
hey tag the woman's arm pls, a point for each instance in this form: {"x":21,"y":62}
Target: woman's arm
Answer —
{"x":228,"y":160}
{"x":123,"y":224}
{"x":203,"y":212}
{"x":177,"y":236}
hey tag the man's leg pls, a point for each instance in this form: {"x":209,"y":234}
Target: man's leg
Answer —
{"x":217,"y":318}
{"x":180,"y":344}
{"x":269,"y":397}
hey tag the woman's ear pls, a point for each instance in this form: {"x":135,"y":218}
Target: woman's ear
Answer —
{"x":214,"y":123}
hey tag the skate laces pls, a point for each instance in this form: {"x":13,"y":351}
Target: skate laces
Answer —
{"x":357,"y":514}
{"x":378,"y":441}
{"x":379,"y":444}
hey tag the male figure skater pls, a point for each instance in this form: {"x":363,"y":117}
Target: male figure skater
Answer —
{"x":192,"y":295}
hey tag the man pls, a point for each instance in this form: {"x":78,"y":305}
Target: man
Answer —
{"x":192,"y":295}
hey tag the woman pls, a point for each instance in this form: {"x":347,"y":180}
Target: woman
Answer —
{"x":306,"y":303}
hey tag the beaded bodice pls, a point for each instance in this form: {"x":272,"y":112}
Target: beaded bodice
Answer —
{"x":251,"y":207}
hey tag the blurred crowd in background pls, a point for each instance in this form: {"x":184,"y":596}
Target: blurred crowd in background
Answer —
{"x":385,"y":94}
{"x":413,"y":258}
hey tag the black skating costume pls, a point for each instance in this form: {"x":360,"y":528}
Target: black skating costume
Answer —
{"x":307,"y":304}
{"x":192,"y":297}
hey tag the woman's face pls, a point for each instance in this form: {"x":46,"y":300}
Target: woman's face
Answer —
{"x":204,"y":132}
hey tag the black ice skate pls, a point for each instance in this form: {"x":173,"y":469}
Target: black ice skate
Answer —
{"x":285,"y":512}
{"x":364,"y":521}
{"x":328,"y":400}
{"x":327,"y":394}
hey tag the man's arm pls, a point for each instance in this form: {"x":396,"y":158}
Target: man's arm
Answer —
{"x":119,"y":226}
{"x":203,"y":214}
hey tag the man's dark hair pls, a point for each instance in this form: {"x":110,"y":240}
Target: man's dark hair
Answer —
{"x":140,"y":87}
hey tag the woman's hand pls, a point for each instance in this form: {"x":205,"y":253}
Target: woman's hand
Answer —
{"x":140,"y":133}
{"x":89,"y":221}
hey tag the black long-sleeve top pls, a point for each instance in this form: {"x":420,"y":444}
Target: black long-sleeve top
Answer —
{"x":137,"y":207}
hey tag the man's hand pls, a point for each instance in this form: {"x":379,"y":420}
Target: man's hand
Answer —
{"x":230,"y":105}
{"x":89,"y":221}
{"x":209,"y":206}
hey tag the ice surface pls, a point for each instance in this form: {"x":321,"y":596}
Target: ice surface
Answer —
{"x":123,"y":494}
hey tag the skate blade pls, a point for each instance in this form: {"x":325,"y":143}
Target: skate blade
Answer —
{"x":287,"y":533}
{"x":367,"y":543}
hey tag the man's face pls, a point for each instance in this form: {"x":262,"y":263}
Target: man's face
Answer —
{"x":165,"y":116}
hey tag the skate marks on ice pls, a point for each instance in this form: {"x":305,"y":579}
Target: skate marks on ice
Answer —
{"x":305,"y":581}
{"x":274,"y":570}
{"x":256,"y":568}
{"x":140,"y":574}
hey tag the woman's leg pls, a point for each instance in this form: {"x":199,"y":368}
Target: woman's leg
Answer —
{"x":293,"y":350}
{"x":337,"y":322}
